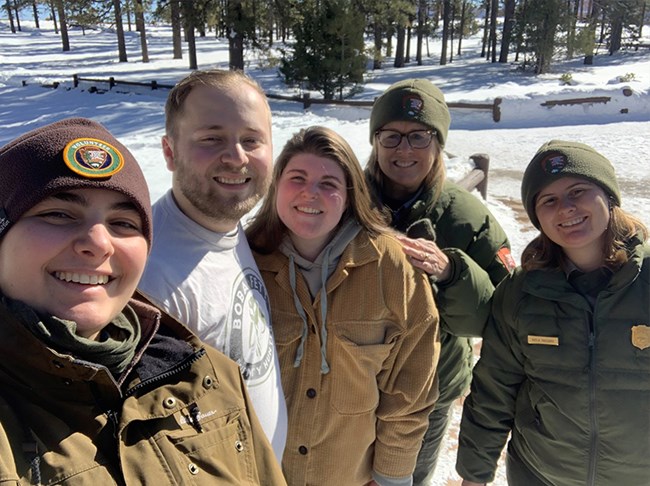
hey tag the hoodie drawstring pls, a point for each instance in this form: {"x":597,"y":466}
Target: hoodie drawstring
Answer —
{"x":324,"y":366}
{"x":301,"y":312}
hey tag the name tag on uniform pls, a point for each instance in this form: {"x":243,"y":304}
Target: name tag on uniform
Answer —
{"x":544,"y":340}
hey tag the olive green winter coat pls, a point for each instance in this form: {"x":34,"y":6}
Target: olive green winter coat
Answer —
{"x":570,"y":382}
{"x":181,"y":417}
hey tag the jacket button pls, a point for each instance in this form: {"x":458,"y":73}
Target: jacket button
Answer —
{"x":208,"y":381}
{"x":302,"y":450}
{"x":193,"y":468}
{"x":239,"y":446}
{"x":311,"y":393}
{"x":169,"y":402}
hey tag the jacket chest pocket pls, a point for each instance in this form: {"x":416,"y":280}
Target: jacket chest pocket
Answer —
{"x":357,"y":353}
{"x":221,"y":452}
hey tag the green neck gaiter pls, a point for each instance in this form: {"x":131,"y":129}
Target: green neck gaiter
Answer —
{"x":115,"y":348}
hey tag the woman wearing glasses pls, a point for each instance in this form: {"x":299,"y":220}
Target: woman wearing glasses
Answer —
{"x":454,"y":237}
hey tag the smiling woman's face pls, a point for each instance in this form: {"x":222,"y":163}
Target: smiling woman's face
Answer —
{"x":311,"y":198}
{"x":405,"y":167}
{"x":574,"y":213}
{"x":77,"y":255}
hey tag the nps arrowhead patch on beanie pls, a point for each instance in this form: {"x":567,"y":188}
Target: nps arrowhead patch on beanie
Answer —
{"x":75,"y":153}
{"x":557,"y":159}
{"x":416,"y":100}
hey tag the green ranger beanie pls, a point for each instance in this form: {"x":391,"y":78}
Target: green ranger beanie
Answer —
{"x":557,"y":159}
{"x":416,"y":100}
{"x":74,"y":153}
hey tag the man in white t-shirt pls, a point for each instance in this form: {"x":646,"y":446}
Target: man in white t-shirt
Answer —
{"x":218,"y":147}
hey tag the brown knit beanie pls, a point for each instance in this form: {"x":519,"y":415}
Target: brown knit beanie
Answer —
{"x":416,"y":100}
{"x":557,"y":159}
{"x":75,"y":153}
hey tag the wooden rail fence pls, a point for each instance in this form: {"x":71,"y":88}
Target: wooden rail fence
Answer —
{"x":305,"y":98}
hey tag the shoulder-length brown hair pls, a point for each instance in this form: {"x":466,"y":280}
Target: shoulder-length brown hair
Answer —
{"x":266,"y":230}
{"x":542,"y":253}
{"x":433,"y":180}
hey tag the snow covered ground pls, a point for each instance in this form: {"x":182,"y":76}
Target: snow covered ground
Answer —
{"x":619,"y":127}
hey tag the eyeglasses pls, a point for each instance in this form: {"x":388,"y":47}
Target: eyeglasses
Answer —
{"x":417,"y":139}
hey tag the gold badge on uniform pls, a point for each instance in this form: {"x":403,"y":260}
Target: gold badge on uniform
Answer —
{"x":641,"y":336}
{"x":92,"y":158}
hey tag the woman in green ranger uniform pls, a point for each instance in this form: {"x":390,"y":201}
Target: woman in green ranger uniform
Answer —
{"x":565,"y":362}
{"x":470,"y":254}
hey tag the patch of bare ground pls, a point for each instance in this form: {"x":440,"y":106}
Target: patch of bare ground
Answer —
{"x":635,"y":187}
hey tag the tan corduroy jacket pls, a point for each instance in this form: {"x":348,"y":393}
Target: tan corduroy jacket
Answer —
{"x":370,"y":411}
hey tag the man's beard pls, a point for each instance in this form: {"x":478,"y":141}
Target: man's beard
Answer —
{"x":208,"y":200}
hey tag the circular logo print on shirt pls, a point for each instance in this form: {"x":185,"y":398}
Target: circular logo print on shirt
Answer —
{"x":251,"y":341}
{"x":92,"y":158}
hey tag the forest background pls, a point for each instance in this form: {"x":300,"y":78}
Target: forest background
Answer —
{"x":321,"y":45}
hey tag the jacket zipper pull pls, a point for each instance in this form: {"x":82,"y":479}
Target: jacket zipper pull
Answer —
{"x":112,"y":417}
{"x":195,"y":417}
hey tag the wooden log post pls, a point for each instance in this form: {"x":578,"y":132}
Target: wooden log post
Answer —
{"x":482,"y":162}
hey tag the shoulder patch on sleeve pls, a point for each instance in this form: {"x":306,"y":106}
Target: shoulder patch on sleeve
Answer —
{"x":505,"y":257}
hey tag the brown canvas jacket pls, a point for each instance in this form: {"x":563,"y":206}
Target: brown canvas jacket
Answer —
{"x":64,"y":421}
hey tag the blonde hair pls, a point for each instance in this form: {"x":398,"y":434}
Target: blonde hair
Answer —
{"x":266,"y":230}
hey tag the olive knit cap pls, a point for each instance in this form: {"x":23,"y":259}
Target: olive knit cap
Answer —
{"x":557,"y":159}
{"x":74,"y":153}
{"x":416,"y":100}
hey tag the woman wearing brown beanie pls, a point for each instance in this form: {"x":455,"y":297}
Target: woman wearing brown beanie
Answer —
{"x":459,"y":243}
{"x":565,"y":363}
{"x":96,"y":387}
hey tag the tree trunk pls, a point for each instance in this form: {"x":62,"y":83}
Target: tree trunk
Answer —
{"x":508,"y":24}
{"x":376,"y":61}
{"x":486,"y":25}
{"x":188,"y":14}
{"x":463,"y":18}
{"x":451,"y":32}
{"x":399,"y":48}
{"x":615,"y":38}
{"x":35,"y":9}
{"x":119,"y":29}
{"x":11,"y":17}
{"x":235,"y":37}
{"x":128,"y":15}
{"x":493,"y":29}
{"x":140,"y":27}
{"x":420,"y":33}
{"x":17,"y":17}
{"x":407,"y":57}
{"x":446,"y":14}
{"x":53,"y":11}
{"x":176,"y":29}
{"x":63,"y":23}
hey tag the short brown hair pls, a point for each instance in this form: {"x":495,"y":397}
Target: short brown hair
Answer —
{"x":217,"y":78}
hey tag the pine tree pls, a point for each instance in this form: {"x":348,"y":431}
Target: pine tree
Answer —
{"x":328,"y":53}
